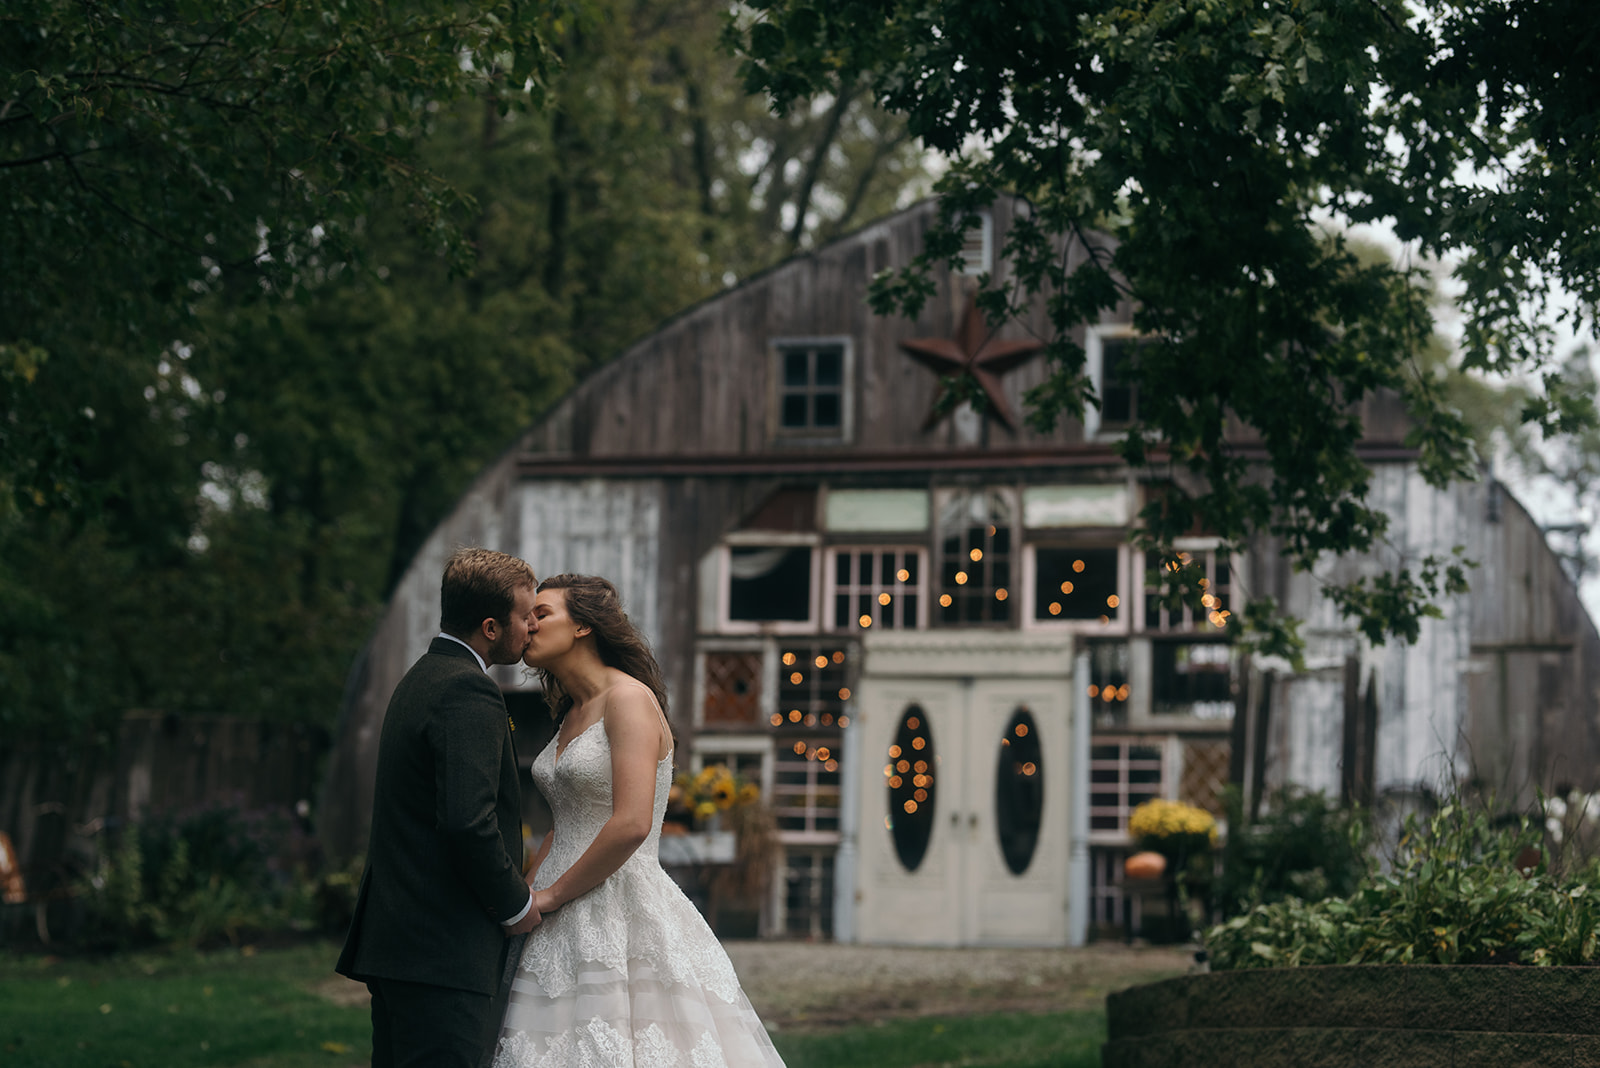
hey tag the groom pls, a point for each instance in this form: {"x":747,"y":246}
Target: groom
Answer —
{"x":443,"y":890}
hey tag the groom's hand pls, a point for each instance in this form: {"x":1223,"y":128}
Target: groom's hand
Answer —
{"x":524,"y":925}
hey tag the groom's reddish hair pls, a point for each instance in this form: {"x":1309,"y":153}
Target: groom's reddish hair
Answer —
{"x":480,"y":584}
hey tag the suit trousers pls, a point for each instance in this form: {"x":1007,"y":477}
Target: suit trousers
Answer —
{"x":416,"y":1024}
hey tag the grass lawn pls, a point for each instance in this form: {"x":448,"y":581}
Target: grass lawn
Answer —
{"x":261,"y":1009}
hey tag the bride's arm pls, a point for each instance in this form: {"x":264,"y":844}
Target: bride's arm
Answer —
{"x":633,"y":727}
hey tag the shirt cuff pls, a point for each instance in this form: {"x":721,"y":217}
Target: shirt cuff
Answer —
{"x":513,"y":921}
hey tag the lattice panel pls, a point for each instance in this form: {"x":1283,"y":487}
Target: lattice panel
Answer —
{"x":1205,"y":774}
{"x":733,"y":689}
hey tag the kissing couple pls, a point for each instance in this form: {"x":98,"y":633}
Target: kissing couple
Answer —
{"x":617,"y":969}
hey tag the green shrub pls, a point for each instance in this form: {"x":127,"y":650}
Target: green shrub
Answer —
{"x":1453,"y":894}
{"x":197,"y":881}
{"x":1306,"y":847}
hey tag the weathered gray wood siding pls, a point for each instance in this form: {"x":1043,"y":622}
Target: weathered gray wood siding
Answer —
{"x":1501,"y":692}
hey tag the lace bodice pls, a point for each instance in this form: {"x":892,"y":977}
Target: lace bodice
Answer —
{"x":577,"y":786}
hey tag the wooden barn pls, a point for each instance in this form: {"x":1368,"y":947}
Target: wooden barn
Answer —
{"x":928,"y":636}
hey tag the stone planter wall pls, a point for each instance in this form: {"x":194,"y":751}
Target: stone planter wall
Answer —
{"x":1373,"y":1016}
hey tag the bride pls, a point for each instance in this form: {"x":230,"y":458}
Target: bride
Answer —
{"x":622,"y":970}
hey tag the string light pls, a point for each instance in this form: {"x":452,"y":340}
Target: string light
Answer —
{"x":1000,"y":594}
{"x":794,"y":715}
{"x":975,"y":555}
{"x":1113,"y":601}
{"x":894,"y":750}
{"x":821,"y":661}
{"x":776,"y":719}
{"x":796,"y":678}
{"x":865,"y":621}
{"x":799,"y":748}
{"x":961,"y":578}
{"x":1022,"y":730}
{"x":1066,"y":587}
{"x":1029,"y":768}
{"x":903,"y":575}
{"x":844,"y":721}
{"x":918,"y":743}
{"x":1055,"y":608}
{"x":788,"y":659}
{"x":944,"y":600}
{"x":884,"y":599}
{"x":910,"y":806}
{"x":903,"y":766}
{"x":844,"y":693}
{"x":1077,"y":565}
{"x":832,"y":765}
{"x":912,"y":722}
{"x":1094,"y":691}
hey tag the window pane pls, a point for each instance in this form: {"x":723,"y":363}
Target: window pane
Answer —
{"x":827,"y":408}
{"x":794,"y":410}
{"x":1076,"y":583}
{"x":795,"y":368}
{"x":830,"y":367}
{"x":841,"y":568}
{"x":1019,"y":791}
{"x":769,"y":583}
{"x":841,"y":610}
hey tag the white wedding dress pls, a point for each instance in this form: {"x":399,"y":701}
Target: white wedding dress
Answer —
{"x":628,"y":975}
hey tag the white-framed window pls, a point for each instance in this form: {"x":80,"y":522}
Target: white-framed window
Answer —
{"x":1110,"y":354}
{"x":883,"y":586}
{"x":812,"y":395}
{"x":975,"y":558}
{"x":807,"y":892}
{"x":1124,"y":772}
{"x":1213,"y":570}
{"x":977,"y":245}
{"x":1079,"y":586}
{"x":748,"y":757}
{"x":805,"y":792}
{"x":769,"y":583}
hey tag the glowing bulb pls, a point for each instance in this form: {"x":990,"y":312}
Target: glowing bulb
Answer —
{"x":1077,"y":565}
{"x":1066,"y":587}
{"x":1113,"y":601}
{"x":884,"y":598}
{"x":844,"y":693}
{"x":903,"y":575}
{"x":919,"y":743}
{"x":1000,"y":594}
{"x":844,"y":721}
{"x":944,"y":600}
{"x":799,"y":748}
{"x":821,"y":661}
{"x":832,"y":765}
{"x":794,"y":715}
{"x":1094,"y":691}
{"x":910,"y":807}
{"x":1055,"y":608}
{"x":920,"y":766}
{"x":838,"y":657}
{"x":1029,"y":769}
{"x":796,"y":678}
{"x":920,"y":795}
{"x":865,"y":621}
{"x":903,"y":766}
{"x":776,"y":719}
{"x":1022,"y":730}
{"x":1122,"y":692}
{"x":822,"y":752}
{"x":961,"y":578}
{"x":913,"y":723}
{"x":975,"y":555}
{"x":788,"y":659}
{"x":894,"y":750}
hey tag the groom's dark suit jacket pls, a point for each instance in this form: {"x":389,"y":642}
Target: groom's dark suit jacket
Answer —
{"x":444,"y":862}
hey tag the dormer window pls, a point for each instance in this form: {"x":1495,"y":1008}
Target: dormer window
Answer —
{"x":813,"y":388}
{"x":1112,"y":357}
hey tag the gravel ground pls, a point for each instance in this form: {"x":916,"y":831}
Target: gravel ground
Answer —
{"x":819,"y":985}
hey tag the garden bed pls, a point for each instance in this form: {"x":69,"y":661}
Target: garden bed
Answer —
{"x":1349,"y":1015}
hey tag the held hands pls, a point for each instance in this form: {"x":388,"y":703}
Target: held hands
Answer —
{"x":526,"y":924}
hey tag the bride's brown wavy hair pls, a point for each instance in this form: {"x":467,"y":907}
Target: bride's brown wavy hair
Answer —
{"x":593,"y":602}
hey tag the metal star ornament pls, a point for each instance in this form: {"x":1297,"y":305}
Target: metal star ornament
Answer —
{"x":973,"y":352}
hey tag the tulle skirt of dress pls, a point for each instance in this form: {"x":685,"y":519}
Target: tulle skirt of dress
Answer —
{"x":630,"y":976}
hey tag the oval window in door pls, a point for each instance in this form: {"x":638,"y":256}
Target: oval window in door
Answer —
{"x":1019,"y":791}
{"x":909,"y":773}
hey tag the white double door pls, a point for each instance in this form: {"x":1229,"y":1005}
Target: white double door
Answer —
{"x":962,"y":890}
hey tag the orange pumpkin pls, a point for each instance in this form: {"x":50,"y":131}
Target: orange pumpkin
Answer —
{"x":1145,"y":865}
